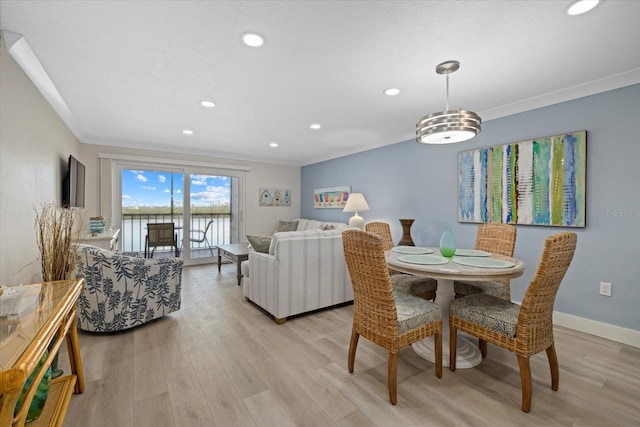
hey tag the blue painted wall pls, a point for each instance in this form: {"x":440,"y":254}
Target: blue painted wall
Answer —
{"x":409,"y":180}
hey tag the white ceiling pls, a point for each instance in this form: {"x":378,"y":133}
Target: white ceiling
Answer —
{"x":133,"y":73}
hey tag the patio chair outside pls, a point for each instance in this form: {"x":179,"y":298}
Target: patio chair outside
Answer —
{"x":160,"y":235}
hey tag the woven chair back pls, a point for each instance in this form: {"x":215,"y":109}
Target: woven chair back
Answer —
{"x":383,"y":230}
{"x":497,"y":238}
{"x":375,"y":316}
{"x":535,"y":321}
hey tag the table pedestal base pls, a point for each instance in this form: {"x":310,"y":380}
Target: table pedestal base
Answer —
{"x":467,"y":351}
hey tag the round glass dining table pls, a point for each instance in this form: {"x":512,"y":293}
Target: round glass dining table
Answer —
{"x":445,"y":271}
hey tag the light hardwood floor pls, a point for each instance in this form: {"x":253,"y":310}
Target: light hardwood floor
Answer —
{"x":220,"y":361}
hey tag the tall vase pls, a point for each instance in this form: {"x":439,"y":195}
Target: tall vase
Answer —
{"x":406,"y":239}
{"x":447,"y":244}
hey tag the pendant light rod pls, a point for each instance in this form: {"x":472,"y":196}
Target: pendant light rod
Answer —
{"x":446,"y":105}
{"x":446,"y":68}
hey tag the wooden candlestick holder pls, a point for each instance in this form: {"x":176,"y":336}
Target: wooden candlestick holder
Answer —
{"x":406,"y":239}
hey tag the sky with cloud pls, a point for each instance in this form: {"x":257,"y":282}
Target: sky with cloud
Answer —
{"x":154,"y":188}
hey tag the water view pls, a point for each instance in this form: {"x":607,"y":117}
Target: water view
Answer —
{"x":158,"y":197}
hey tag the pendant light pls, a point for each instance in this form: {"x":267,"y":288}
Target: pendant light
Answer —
{"x":448,"y":126}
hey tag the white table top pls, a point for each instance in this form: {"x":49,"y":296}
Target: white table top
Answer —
{"x":454,"y":271}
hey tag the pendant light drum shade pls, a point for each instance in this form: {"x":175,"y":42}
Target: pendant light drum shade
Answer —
{"x":448,"y":126}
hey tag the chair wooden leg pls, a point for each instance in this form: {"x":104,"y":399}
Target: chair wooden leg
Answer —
{"x":482,"y":344}
{"x":352,"y":349}
{"x":392,"y":377}
{"x":453,"y":341}
{"x":438,"y":350}
{"x":525,"y":379}
{"x":553,"y":364}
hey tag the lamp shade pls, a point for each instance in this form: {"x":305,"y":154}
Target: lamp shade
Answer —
{"x":356,"y":203}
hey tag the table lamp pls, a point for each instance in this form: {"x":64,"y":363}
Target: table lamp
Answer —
{"x":356,"y":202}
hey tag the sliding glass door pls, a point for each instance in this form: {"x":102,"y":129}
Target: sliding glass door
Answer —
{"x":212,"y":213}
{"x":203,"y":204}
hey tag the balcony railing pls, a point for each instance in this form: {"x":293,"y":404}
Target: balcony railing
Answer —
{"x":134,"y":230}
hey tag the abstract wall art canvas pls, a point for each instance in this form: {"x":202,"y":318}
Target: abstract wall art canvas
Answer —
{"x":536,"y":182}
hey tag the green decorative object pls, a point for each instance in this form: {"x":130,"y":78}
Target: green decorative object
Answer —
{"x":447,"y":244}
{"x":42,"y":392}
{"x":96,"y":225}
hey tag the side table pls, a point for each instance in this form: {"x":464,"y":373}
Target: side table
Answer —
{"x":236,"y":252}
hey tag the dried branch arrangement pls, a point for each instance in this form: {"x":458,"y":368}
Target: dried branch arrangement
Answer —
{"x":55,"y":235}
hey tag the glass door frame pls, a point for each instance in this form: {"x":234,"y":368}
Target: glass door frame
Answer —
{"x":234,"y":216}
{"x":187,"y":169}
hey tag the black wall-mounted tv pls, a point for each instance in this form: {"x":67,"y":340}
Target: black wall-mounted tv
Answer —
{"x":73,"y":185}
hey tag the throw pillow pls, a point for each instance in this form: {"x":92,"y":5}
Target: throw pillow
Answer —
{"x":260,"y":243}
{"x":287,"y":226}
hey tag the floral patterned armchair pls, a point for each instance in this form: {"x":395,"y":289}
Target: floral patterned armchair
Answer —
{"x":122,"y":292}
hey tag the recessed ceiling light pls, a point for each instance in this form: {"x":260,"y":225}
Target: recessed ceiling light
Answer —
{"x":187,"y":131}
{"x":208,"y":104}
{"x":391,"y":91}
{"x":581,"y":6}
{"x":252,"y":39}
{"x":273,"y":145}
{"x":315,"y":126}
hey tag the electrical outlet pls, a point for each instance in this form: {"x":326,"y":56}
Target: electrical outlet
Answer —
{"x":605,"y":289}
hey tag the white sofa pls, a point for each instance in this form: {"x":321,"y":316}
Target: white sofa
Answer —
{"x":305,"y":270}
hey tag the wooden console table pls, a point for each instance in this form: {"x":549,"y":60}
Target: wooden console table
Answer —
{"x":47,"y":317}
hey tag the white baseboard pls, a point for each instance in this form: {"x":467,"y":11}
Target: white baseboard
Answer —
{"x":599,"y":329}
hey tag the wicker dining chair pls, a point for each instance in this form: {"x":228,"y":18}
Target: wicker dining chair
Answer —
{"x":525,"y":329}
{"x":422,"y":287}
{"x":497,"y":238}
{"x":388,"y":318}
